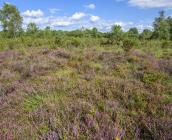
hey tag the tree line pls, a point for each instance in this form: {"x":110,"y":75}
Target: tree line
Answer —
{"x":11,"y":21}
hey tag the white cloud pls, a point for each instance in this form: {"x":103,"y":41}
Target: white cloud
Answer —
{"x":8,"y":3}
{"x":150,"y":3}
{"x":53,"y":10}
{"x":78,"y":16}
{"x":53,"y":21}
{"x":90,"y":6}
{"x":141,"y":27}
{"x":120,"y":23}
{"x":33,"y":13}
{"x":49,"y":21}
{"x":61,"y":23}
{"x":76,"y":21}
{"x":39,"y":21}
{"x":94,"y":18}
{"x":106,"y":25}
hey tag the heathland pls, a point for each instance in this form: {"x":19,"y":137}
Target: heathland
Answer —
{"x":85,"y":84}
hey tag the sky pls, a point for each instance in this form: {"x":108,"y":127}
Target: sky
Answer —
{"x":102,"y":14}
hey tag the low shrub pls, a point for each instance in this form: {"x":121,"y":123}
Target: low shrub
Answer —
{"x":166,"y":44}
{"x":128,"y":44}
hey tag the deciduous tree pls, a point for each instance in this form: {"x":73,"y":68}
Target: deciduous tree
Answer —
{"x":146,"y":34}
{"x":133,"y":33}
{"x":161,"y":27}
{"x":32,"y":29}
{"x":10,"y":19}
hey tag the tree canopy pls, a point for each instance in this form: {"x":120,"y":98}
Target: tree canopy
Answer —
{"x":11,"y":22}
{"x":10,"y":19}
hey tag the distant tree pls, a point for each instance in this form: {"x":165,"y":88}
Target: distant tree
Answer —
{"x":146,"y":34}
{"x":161,"y":27}
{"x":10,"y":19}
{"x":88,"y":33}
{"x":169,"y":20}
{"x":32,"y":29}
{"x":133,"y":33}
{"x":95,"y":32}
{"x":47,"y":32}
{"x":48,"y":28}
{"x":76,"y":33}
{"x":117,"y":32}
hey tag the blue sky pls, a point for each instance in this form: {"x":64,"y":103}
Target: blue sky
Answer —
{"x":69,"y":15}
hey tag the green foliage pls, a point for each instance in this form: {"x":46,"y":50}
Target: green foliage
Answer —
{"x":166,"y":44}
{"x":11,"y":20}
{"x":32,"y":29}
{"x":153,"y":77}
{"x":117,"y":33}
{"x":76,"y":42}
{"x":95,"y":32}
{"x":133,"y":33}
{"x":169,"y":20}
{"x":76,"y":33}
{"x":33,"y":102}
{"x":58,"y":41}
{"x":128,"y":44}
{"x":146,"y":34}
{"x":161,"y":27}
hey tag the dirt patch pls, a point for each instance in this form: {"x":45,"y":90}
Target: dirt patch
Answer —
{"x":61,"y":53}
{"x":111,"y":59}
{"x":150,"y":61}
{"x":166,"y":65}
{"x":8,"y":54}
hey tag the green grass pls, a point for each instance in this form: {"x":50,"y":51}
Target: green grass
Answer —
{"x":33,"y":102}
{"x":95,"y":65}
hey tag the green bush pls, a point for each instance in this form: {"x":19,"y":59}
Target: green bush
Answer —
{"x":153,"y":77}
{"x":58,"y":41}
{"x":76,"y":42}
{"x":166,"y":44}
{"x":128,"y":44}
